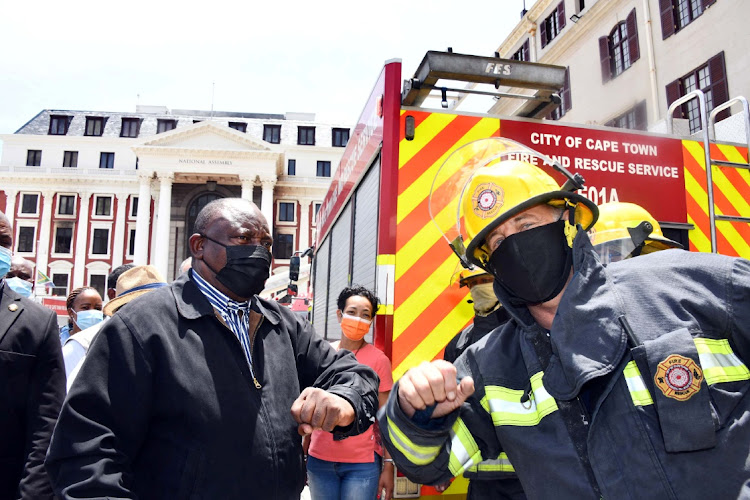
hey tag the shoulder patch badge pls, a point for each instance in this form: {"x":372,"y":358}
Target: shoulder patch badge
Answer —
{"x":678,"y":377}
{"x":487,"y":200}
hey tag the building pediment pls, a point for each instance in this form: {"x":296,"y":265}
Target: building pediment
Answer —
{"x":205,"y":136}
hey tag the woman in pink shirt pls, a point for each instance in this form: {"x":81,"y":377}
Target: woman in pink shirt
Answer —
{"x":358,"y":467}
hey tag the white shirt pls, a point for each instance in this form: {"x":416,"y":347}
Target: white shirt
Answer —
{"x":74,"y":351}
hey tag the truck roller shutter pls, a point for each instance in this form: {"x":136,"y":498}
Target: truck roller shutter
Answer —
{"x":340,"y":240}
{"x":632,"y":26}
{"x":667,"y":18}
{"x":674,"y":92}
{"x":605,"y":57}
{"x":320,"y":286}
{"x":719,"y":87}
{"x":566,"y":98}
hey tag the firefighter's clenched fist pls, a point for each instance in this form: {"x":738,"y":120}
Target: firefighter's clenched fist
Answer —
{"x":433,"y":383}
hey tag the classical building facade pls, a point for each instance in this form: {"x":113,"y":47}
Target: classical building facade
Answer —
{"x":628,"y":60}
{"x":88,"y":191}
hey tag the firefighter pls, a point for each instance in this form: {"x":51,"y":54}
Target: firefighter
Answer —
{"x":621,"y":382}
{"x":626,"y":230}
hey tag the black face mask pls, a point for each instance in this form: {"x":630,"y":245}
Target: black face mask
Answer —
{"x":246,"y":270}
{"x":533,"y":266}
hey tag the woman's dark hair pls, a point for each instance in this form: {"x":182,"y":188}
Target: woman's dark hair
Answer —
{"x":75,"y":293}
{"x":353,"y":290}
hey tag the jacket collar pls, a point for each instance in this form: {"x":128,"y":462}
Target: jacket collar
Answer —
{"x":586,"y":336}
{"x":192,"y":304}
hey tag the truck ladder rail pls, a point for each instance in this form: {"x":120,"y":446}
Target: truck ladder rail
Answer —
{"x":707,"y":132}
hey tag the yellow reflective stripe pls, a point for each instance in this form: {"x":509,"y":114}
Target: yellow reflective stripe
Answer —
{"x":718,"y":361}
{"x":637,"y":387}
{"x":500,"y":464}
{"x":505,"y":407}
{"x":416,"y":454}
{"x":464,"y":450}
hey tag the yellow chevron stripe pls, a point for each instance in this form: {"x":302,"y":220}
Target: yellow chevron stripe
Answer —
{"x":425,"y":238}
{"x":419,"y":190}
{"x":698,"y":237}
{"x":738,"y":243}
{"x":726,"y":187}
{"x":434,"y":341}
{"x":414,"y":305}
{"x":428,"y":129}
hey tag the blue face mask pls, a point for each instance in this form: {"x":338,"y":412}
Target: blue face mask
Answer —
{"x":21,"y":287}
{"x":5,"y":255}
{"x":89,"y":318}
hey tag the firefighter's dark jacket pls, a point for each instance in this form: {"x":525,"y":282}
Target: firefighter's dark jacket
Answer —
{"x":667,"y":413}
{"x":165,"y":407}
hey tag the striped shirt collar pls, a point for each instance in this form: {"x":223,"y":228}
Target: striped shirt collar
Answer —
{"x":217,"y":299}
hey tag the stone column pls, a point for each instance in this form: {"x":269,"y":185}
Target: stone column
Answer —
{"x":266,"y":200}
{"x":10,"y":204}
{"x":153,"y":228}
{"x":140,"y":256}
{"x":161,"y":257}
{"x":304,"y":225}
{"x":44,"y":239}
{"x":247,"y":188}
{"x":82,"y":244}
{"x":119,"y":243}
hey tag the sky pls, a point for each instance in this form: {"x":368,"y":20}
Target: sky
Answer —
{"x":265,"y":57}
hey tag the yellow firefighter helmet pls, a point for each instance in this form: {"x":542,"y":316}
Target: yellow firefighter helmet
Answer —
{"x":626,"y":230}
{"x":498,"y":192}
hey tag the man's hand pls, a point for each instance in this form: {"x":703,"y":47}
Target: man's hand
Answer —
{"x":433,"y":383}
{"x":318,"y":409}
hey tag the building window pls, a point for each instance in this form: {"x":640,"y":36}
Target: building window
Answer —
{"x":291,"y":167}
{"x":165,"y":125}
{"x":316,"y":209}
{"x":33,"y":157}
{"x":566,"y":102}
{"x":133,"y":207}
{"x":30,"y":204}
{"x":522,"y":54}
{"x":103,"y":206}
{"x":100,"y":242}
{"x":107,"y":160}
{"x":94,"y":125}
{"x":66,"y":204}
{"x":340,"y":137}
{"x":711,"y":79}
{"x":238,"y":126}
{"x":634,"y":118}
{"x":58,"y":125}
{"x":553,"y":24}
{"x":676,"y":14}
{"x":64,"y":240}
{"x":26,"y":239}
{"x":324,"y":169}
{"x":283,"y":246}
{"x":286,"y":211}
{"x":619,"y":50}
{"x":306,"y":136}
{"x":131,"y":242}
{"x":70,"y":159}
{"x":130,"y":127}
{"x":272,"y":133}
{"x":98,"y":281}
{"x":61,"y":285}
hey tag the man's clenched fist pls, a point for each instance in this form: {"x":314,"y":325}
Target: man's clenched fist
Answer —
{"x":318,"y":409}
{"x":433,"y":383}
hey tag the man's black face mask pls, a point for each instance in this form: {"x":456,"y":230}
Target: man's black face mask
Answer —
{"x":246,"y":270}
{"x":533,"y":265}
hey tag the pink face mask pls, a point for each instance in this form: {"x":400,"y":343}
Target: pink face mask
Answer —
{"x":354,"y":327}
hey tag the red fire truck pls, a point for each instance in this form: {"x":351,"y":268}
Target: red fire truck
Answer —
{"x":374,"y":226}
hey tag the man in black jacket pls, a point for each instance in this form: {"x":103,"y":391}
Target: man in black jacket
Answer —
{"x":202,"y":389}
{"x":32,"y":386}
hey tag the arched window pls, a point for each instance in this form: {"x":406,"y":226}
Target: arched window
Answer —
{"x":195,"y":206}
{"x":619,"y":50}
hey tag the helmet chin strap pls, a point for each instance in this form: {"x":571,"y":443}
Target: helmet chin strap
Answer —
{"x":570,"y":229}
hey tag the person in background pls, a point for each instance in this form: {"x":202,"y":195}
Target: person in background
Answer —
{"x":626,"y":230}
{"x":32,"y":385}
{"x":112,"y":280}
{"x":351,"y":469}
{"x":84,"y":310}
{"x":492,"y":478}
{"x":202,"y":389}
{"x":133,"y":282}
{"x":186,"y":264}
{"x":20,"y":278}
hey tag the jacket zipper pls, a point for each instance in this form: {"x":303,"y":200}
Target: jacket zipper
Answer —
{"x":252,"y":349}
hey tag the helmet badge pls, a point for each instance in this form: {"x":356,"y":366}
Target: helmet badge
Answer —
{"x":487,"y":200}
